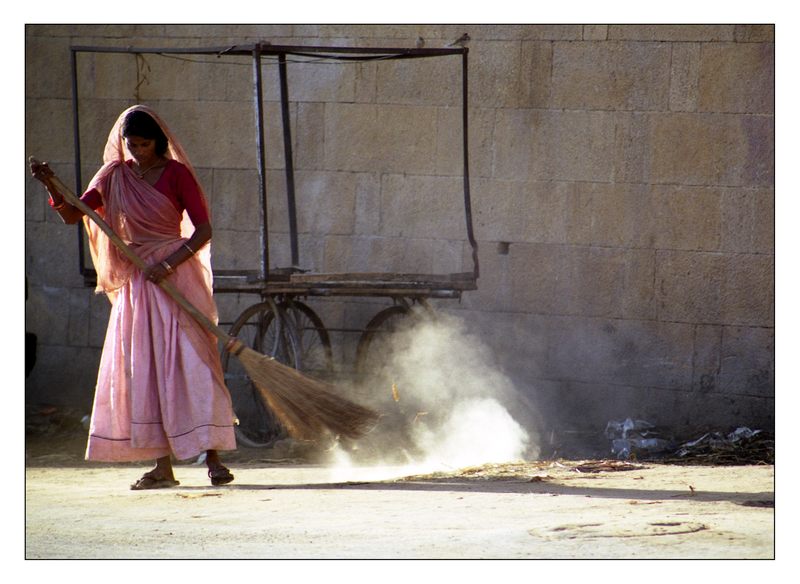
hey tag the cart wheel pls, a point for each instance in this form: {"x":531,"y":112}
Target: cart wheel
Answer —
{"x":373,"y":348}
{"x":258,"y":328}
{"x":313,"y":341}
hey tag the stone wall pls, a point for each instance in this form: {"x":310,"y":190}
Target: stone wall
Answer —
{"x":622,"y":186}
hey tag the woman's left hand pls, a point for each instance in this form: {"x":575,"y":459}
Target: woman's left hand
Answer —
{"x":155,"y":273}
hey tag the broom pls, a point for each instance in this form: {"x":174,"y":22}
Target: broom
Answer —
{"x":307,"y":407}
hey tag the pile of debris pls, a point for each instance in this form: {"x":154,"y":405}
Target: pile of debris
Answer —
{"x":641,"y":440}
{"x":742,"y":446}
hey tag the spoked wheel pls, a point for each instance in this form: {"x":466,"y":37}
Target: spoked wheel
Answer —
{"x":313,"y":342}
{"x":374,"y":347}
{"x":262,"y":330}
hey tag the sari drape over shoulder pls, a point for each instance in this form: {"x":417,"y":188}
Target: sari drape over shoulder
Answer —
{"x":160,"y":387}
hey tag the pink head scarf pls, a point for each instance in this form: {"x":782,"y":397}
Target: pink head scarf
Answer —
{"x":121,"y":193}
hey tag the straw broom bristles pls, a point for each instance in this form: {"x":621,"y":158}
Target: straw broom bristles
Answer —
{"x":307,"y":407}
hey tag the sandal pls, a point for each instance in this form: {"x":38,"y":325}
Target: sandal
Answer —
{"x":220,"y":476}
{"x":150,"y":482}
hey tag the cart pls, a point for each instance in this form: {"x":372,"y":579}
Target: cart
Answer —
{"x":280,"y":322}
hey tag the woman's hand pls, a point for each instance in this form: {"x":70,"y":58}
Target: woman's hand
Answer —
{"x":41,"y":171}
{"x":156,"y":272}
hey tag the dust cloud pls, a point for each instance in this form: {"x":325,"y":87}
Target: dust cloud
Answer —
{"x":444,"y":405}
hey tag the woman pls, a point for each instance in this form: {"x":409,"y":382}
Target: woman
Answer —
{"x":160,"y":389}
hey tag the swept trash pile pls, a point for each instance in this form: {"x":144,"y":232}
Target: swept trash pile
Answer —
{"x":742,"y":446}
{"x":641,"y":440}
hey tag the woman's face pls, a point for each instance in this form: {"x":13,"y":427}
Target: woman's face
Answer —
{"x":143,"y":150}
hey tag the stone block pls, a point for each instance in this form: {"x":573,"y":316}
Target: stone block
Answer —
{"x":51,"y":255}
{"x":77,"y":304}
{"x":494,"y":75}
{"x":118,"y":76}
{"x":368,"y":138}
{"x":610,"y":214}
{"x":638,"y":284}
{"x":749,"y":290}
{"x":737,"y":77}
{"x":554,"y":145}
{"x":213,"y":31}
{"x":447,"y":257}
{"x":748,"y":221}
{"x":726,"y":411}
{"x":620,"y":352}
{"x":632,"y":154}
{"x":367,"y":204}
{"x":114,"y":34}
{"x":611,"y":76}
{"x":565,"y":280}
{"x":311,"y":252}
{"x":231,"y":306}
{"x":236,"y":250}
{"x":47,"y":71}
{"x":449,"y":157}
{"x":689,"y":286}
{"x":235,"y":199}
{"x":378,"y":254}
{"x":47,"y":313}
{"x":523,"y":212}
{"x":706,"y":359}
{"x":494,"y":286}
{"x":238,"y":79}
{"x":64,"y":376}
{"x":684,"y":77}
{"x":538,"y":32}
{"x":325,"y":202}
{"x":671,"y":32}
{"x":96,"y":118}
{"x":308,"y":137}
{"x":715,"y":288}
{"x":48,"y":129}
{"x":422,"y":207}
{"x":748,"y":361}
{"x":595,"y":32}
{"x":442,"y":34}
{"x":536,"y":79}
{"x":277,"y":202}
{"x":754,"y":33}
{"x":193,"y":77}
{"x":366,"y":84}
{"x":99,"y":314}
{"x":711,"y":149}
{"x":280,"y":252}
{"x":223,"y":134}
{"x":36,"y":198}
{"x":758,"y":167}
{"x":310,"y":80}
{"x":686,"y":217}
{"x":426,"y":82}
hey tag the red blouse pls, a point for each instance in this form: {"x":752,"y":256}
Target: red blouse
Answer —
{"x":177,"y":184}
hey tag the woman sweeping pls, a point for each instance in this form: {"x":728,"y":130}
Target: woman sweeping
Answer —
{"x":160,"y":391}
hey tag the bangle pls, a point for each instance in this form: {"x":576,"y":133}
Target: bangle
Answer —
{"x":189,"y":249}
{"x":167,"y":267}
{"x":60,"y":206}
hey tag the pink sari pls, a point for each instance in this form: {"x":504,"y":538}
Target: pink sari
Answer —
{"x":160,"y":388}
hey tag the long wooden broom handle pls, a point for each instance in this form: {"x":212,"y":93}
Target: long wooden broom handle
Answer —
{"x":230,"y":343}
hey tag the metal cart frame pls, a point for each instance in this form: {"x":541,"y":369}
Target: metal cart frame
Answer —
{"x":280,"y":321}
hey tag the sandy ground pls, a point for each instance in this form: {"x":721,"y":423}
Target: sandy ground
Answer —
{"x":280,"y":509}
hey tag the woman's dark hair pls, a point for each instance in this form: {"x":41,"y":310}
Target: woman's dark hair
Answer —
{"x":139,"y":123}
